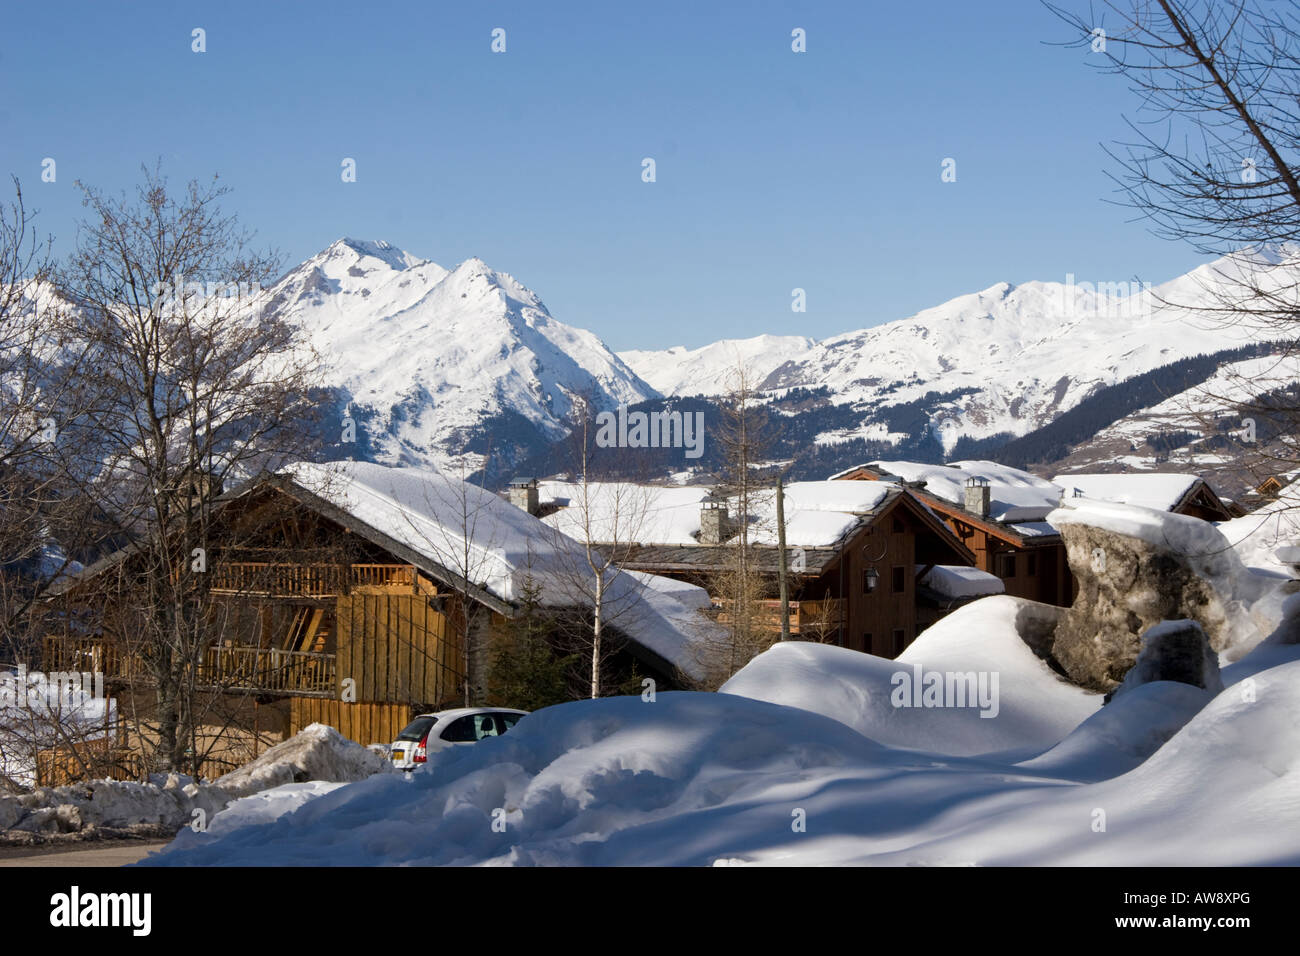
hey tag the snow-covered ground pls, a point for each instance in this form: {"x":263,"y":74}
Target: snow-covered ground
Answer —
{"x":804,"y":760}
{"x":305,"y":766}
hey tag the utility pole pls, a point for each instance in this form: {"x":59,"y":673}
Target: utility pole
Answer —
{"x":782,"y":580}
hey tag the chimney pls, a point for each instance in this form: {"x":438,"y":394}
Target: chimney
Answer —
{"x":715,"y":526}
{"x":524,"y":495}
{"x":978,"y":496}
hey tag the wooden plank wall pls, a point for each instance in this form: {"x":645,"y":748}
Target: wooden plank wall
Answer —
{"x":396,"y":648}
{"x":364,"y":723}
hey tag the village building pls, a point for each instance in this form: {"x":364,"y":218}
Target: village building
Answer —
{"x":339,"y":593}
{"x":1000,"y":512}
{"x":868,"y":567}
{"x":997,"y":512}
{"x":1177,"y":493}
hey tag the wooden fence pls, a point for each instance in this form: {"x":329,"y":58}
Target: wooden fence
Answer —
{"x":363,"y":723}
{"x":87,"y":760}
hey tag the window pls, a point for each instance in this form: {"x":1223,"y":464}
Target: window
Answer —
{"x":866,"y":641}
{"x":1004,"y":565}
{"x":461,"y":730}
{"x":1031,"y":564}
{"x":900,"y":578}
{"x":416,"y":729}
{"x":900,"y":640}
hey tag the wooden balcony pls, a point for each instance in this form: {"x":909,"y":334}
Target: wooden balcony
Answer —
{"x":812,"y":619}
{"x":320,"y":581}
{"x":265,"y":670}
{"x":269,"y":670}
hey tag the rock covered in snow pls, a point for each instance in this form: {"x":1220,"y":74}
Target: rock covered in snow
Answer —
{"x":1137,"y":567}
{"x":1174,"y":651}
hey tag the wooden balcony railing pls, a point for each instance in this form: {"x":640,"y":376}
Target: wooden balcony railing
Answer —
{"x":268,"y":669}
{"x":268,"y":579}
{"x":236,"y":667}
{"x":93,"y":655}
{"x":807,"y":618}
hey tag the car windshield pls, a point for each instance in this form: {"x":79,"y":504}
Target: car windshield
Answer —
{"x":416,"y":729}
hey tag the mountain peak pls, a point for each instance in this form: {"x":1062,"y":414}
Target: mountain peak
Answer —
{"x":379,"y":249}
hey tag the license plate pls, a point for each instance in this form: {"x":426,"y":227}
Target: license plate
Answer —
{"x":398,"y":755}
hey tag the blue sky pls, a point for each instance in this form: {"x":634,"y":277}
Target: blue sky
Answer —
{"x":775,"y":170}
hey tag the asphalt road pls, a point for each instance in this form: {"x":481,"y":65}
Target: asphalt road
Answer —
{"x":106,"y":853}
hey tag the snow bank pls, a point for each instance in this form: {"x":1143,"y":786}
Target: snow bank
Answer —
{"x":698,"y":779}
{"x":317,"y":752}
{"x":1257,"y":536}
{"x":1122,"y":734}
{"x":314,"y":761}
{"x":1035,"y":707}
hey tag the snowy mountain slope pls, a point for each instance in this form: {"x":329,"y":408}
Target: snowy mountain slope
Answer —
{"x":441,"y":364}
{"x":1022,"y":354}
{"x":707,"y":370}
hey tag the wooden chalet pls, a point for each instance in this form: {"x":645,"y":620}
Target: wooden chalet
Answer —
{"x":854,"y":585}
{"x":997,"y":516}
{"x":326,"y":606}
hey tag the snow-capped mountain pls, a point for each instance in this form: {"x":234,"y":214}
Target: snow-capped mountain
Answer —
{"x":444,"y":366}
{"x":1006,"y":359}
{"x":709,"y":370}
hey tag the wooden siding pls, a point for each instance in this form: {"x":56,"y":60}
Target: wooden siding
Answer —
{"x":361,"y":722}
{"x":96,"y":759}
{"x":397,"y":648}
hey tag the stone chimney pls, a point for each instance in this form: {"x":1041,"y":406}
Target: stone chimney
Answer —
{"x":715,"y":525}
{"x":524,"y":495}
{"x":978,"y":496}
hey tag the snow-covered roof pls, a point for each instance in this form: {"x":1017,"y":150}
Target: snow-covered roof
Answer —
{"x":436,"y":515}
{"x":1015,"y":495}
{"x":817,"y":513}
{"x":1162,"y":491}
{"x":958,"y":581}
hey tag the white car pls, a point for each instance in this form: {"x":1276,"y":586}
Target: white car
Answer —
{"x":430,"y":733}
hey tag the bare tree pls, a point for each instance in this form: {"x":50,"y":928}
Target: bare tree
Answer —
{"x":45,"y":523}
{"x":198,"y":386}
{"x":745,"y":436}
{"x":602,"y":527}
{"x":1214,"y":161}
